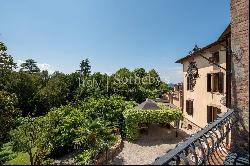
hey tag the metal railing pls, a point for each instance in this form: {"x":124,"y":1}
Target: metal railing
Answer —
{"x":207,"y":146}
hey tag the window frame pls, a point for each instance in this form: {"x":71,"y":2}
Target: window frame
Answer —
{"x":190,"y":107}
{"x":189,"y":85}
{"x":215,"y":82}
{"x":212,"y":113}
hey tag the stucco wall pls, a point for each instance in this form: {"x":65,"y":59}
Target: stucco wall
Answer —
{"x":201,"y":98}
{"x":177,"y":102}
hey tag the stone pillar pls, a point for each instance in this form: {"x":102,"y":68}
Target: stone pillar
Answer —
{"x":240,"y":71}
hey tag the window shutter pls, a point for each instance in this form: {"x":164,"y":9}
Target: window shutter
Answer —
{"x":187,"y":107}
{"x":216,"y":57}
{"x":221,"y":82}
{"x":188,"y":83}
{"x":209,"y":82}
{"x":191,"y":108}
{"x":209,"y":114}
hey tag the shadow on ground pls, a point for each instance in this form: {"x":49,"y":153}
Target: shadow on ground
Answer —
{"x":157,"y":135}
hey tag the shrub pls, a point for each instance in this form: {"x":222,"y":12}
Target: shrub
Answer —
{"x":109,"y":109}
{"x":88,"y":155}
{"x":6,"y":153}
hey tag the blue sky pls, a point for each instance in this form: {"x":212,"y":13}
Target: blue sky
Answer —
{"x":58,"y":34}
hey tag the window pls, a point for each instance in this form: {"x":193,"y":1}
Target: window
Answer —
{"x":209,"y":78}
{"x":189,"y":107}
{"x":189,"y":83}
{"x":215,"y":58}
{"x":215,"y":82}
{"x":221,"y":82}
{"x":212,"y":113}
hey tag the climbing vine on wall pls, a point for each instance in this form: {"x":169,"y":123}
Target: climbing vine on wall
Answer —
{"x":133,"y":117}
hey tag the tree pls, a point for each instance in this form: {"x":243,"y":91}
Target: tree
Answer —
{"x":6,"y":61}
{"x":73,"y":84}
{"x":25,"y":86}
{"x":30,"y":66}
{"x":34,"y":137}
{"x":6,"y":153}
{"x":6,"y":65}
{"x":8,"y":114}
{"x":85,"y":67}
{"x":140,"y":72}
{"x":54,"y":94}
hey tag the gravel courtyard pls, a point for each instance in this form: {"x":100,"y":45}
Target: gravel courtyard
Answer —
{"x":150,"y":146}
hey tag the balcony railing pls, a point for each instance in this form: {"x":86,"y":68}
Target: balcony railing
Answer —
{"x":208,"y":146}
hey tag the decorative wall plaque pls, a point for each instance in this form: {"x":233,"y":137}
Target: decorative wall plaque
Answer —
{"x":192,"y":72}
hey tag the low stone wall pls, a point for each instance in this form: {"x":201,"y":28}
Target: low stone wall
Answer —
{"x":104,"y":157}
{"x":185,"y":125}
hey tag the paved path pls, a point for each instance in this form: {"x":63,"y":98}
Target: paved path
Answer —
{"x":150,"y":146}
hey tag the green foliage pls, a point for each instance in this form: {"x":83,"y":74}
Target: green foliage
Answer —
{"x":30,"y":66}
{"x":26,"y":87}
{"x":133,"y":117}
{"x":59,"y":113}
{"x":6,"y":65}
{"x":109,"y":109}
{"x":54,"y":94}
{"x":61,"y":129}
{"x":6,"y":153}
{"x":87,"y":156}
{"x":29,"y":135}
{"x":8,"y":114}
{"x":68,"y":121}
{"x":85,"y":68}
{"x":20,"y":158}
{"x":6,"y":60}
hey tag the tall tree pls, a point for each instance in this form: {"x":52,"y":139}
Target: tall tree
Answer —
{"x":54,"y":94}
{"x":140,"y":72}
{"x":8,"y":114}
{"x":85,"y":67}
{"x":6,"y":65}
{"x":30,"y":66}
{"x":6,"y":61}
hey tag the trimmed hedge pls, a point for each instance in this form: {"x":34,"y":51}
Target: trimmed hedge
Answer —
{"x":135,"y":116}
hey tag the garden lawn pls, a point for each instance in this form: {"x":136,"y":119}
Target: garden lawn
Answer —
{"x":21,"y":159}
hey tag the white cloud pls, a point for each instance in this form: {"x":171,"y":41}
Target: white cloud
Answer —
{"x":172,"y":75}
{"x":19,"y":62}
{"x":42,"y":66}
{"x":45,"y":66}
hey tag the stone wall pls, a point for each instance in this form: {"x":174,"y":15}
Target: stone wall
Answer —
{"x":109,"y":154}
{"x":185,"y":125}
{"x":240,"y":70}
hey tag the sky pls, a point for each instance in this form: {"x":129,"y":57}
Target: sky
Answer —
{"x":58,"y":34}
